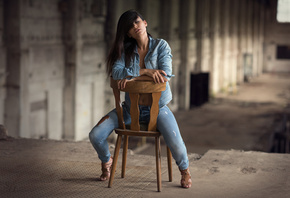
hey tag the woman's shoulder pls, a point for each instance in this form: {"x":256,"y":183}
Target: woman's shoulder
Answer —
{"x":159,"y":40}
{"x":160,"y":43}
{"x":163,"y":46}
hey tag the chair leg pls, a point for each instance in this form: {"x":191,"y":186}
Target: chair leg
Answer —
{"x":158,"y":162}
{"x":169,"y":164}
{"x":116,"y":155}
{"x":124,"y":161}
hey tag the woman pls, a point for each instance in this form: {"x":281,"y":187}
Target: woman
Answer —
{"x":135,"y":55}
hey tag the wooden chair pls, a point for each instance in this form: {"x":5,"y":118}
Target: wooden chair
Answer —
{"x":135,"y":89}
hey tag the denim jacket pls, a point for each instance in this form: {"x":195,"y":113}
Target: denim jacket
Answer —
{"x":158,"y":57}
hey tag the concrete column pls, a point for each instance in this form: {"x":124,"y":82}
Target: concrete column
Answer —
{"x":110,"y":24}
{"x":86,"y":80}
{"x":3,"y":72}
{"x":187,"y":51}
{"x":174,"y":42}
{"x":270,"y":40}
{"x":70,"y":16}
{"x":216,"y":49}
{"x":261,"y":37}
{"x":256,"y":46}
{"x":199,"y":9}
{"x":239,"y":44}
{"x":205,"y":36}
{"x":233,"y":34}
{"x":242,"y":43}
{"x":227,"y":50}
{"x":150,"y":9}
{"x":13,"y":82}
{"x":222,"y":44}
{"x":250,"y":23}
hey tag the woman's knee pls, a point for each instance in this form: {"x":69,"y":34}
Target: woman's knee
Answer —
{"x":93,"y":135}
{"x":96,"y":134}
{"x":102,"y":130}
{"x":97,"y":137}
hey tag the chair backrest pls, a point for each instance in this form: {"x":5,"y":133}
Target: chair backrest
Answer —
{"x":135,"y":88}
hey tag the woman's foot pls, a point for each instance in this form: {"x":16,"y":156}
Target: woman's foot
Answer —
{"x":185,"y":178}
{"x":106,"y":170}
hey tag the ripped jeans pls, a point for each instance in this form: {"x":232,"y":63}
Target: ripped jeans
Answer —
{"x":166,"y":124}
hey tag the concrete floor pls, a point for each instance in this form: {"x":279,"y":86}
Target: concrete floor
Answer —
{"x":244,"y":121}
{"x":42,"y":168}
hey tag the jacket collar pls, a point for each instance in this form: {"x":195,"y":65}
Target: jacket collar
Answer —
{"x":151,"y":42}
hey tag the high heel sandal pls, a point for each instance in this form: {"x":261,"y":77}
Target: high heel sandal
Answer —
{"x":106,"y":170}
{"x":185,"y":178}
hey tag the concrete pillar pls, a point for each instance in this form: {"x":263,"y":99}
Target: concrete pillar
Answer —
{"x":202,"y":23}
{"x":240,"y":72}
{"x":226,"y":49}
{"x":261,"y":38}
{"x":259,"y":15}
{"x":13,"y":82}
{"x":187,"y":51}
{"x":222,"y":44}
{"x":256,"y":46}
{"x":205,"y":36}
{"x":3,"y":72}
{"x":216,"y":48}
{"x":233,"y":35}
{"x":250,"y":24}
{"x":70,"y":15}
{"x":150,"y":11}
{"x":242,"y":41}
{"x":169,"y":30}
{"x":174,"y":42}
{"x":270,"y":40}
{"x":85,"y":77}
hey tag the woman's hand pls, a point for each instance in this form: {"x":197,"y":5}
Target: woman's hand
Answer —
{"x":122,"y":83}
{"x":157,"y":75}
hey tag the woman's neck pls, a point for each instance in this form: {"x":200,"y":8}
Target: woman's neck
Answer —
{"x":143,"y":43}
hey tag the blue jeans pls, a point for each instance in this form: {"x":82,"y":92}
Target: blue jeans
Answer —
{"x":166,"y":124}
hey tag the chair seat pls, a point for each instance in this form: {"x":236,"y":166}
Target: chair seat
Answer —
{"x":138,"y":133}
{"x":143,"y":126}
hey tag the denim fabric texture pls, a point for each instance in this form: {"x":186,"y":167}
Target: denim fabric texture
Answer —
{"x":158,"y":57}
{"x":166,"y":124}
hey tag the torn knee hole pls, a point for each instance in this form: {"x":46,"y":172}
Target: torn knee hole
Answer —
{"x":103,"y":119}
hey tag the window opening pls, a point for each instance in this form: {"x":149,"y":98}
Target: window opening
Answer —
{"x":283,"y":11}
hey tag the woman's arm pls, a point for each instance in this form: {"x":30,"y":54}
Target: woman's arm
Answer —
{"x":120,"y":71}
{"x":165,"y":59}
{"x":158,"y":76}
{"x":122,"y":83}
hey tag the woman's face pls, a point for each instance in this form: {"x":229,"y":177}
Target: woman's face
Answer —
{"x":138,"y":29}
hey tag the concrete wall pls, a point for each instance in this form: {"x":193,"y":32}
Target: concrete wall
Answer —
{"x":275,"y":34}
{"x":52,"y":62}
{"x":84,"y":91}
{"x":57,"y":51}
{"x":35,"y":53}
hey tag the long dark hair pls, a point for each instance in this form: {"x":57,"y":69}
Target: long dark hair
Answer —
{"x":123,"y":43}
